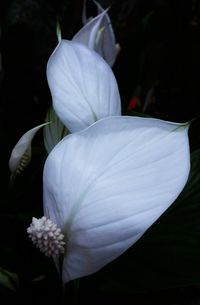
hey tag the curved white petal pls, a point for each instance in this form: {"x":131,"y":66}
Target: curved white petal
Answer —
{"x":88,"y":33}
{"x":82,"y":85}
{"x":53,"y":132}
{"x":23,"y":149}
{"x":106,"y":185}
{"x":98,"y":35}
{"x":106,"y":44}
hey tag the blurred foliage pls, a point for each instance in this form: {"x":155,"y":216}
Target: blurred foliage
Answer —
{"x":8,"y":280}
{"x":160,"y":49}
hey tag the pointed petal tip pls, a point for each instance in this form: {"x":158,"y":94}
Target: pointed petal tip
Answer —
{"x":98,"y":35}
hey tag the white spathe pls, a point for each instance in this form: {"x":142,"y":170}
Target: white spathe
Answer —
{"x":23,"y":147}
{"x":106,"y":185}
{"x":82,"y":85}
{"x":98,"y":35}
{"x":89,"y":33}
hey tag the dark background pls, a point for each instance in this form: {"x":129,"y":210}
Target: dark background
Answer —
{"x":160,"y":48}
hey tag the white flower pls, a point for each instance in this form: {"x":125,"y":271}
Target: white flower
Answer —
{"x":98,"y":34}
{"x":21,"y":153}
{"x":106,"y":185}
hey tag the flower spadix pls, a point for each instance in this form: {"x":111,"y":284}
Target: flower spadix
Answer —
{"x":106,"y":185}
{"x":82,"y":86}
{"x":46,"y":236}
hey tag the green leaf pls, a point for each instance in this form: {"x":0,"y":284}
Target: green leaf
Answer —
{"x":8,"y":279}
{"x":168,"y":255}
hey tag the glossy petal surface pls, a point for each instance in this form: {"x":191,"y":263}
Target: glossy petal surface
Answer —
{"x":82,"y":85}
{"x":106,"y":185}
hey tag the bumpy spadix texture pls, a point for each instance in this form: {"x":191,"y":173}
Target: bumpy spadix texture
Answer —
{"x":82,"y":86}
{"x":46,"y":236}
{"x":105,"y":186}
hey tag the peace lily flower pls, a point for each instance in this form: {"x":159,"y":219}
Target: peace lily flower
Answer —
{"x":21,"y":153}
{"x":98,"y":34}
{"x":104,"y":185}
